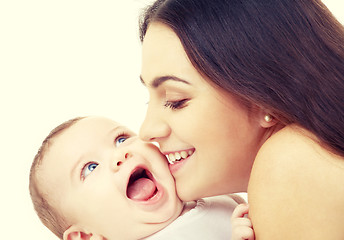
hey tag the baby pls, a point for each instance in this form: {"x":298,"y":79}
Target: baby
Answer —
{"x":95,"y":179}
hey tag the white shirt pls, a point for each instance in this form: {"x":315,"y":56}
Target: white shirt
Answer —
{"x":208,"y":220}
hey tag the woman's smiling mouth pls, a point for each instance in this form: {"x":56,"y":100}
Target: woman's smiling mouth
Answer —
{"x":174,"y":157}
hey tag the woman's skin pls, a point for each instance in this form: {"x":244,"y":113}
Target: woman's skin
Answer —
{"x":295,"y":190}
{"x":293,"y":177}
{"x":183,"y":115}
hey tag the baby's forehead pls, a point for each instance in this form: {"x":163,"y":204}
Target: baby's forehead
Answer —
{"x":77,"y":141}
{"x":63,"y":150}
{"x":95,"y":124}
{"x":86,"y":129}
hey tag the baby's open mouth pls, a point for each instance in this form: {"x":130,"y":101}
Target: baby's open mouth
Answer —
{"x":141,"y":186}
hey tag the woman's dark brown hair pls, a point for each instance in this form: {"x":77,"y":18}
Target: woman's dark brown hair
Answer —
{"x":283,"y":55}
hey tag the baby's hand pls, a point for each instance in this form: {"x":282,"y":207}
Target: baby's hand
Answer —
{"x":241,"y":225}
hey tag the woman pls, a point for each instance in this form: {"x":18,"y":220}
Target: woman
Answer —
{"x":240,"y":88}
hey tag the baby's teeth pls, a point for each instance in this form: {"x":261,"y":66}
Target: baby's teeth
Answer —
{"x":190,"y":152}
{"x":183,"y":154}
{"x":177,"y":156}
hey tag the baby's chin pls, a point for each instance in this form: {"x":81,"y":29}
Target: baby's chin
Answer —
{"x":186,"y":195}
{"x":168,"y":214}
{"x":160,"y":221}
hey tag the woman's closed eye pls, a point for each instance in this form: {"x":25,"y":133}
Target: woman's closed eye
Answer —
{"x":179,"y":104}
{"x":87,"y":169}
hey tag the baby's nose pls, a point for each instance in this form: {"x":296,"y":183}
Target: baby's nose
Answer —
{"x":127,"y":155}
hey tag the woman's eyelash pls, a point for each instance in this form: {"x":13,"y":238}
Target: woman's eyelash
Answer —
{"x":176,"y":104}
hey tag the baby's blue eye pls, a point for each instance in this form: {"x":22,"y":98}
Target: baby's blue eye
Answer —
{"x":120,"y":139}
{"x":88,"y":168}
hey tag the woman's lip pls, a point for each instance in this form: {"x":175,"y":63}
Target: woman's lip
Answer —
{"x":173,"y":152}
{"x":174,"y":167}
{"x":176,"y":157}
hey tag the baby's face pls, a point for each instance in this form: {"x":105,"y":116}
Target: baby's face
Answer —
{"x":107,"y":181}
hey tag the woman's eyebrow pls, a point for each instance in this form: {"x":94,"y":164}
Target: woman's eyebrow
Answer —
{"x":160,"y":80}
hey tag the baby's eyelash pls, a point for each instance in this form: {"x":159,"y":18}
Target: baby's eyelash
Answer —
{"x":176,"y":104}
{"x":83,"y":168}
{"x":121,"y":135}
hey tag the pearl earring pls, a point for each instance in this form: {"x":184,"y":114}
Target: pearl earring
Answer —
{"x":268,"y":118}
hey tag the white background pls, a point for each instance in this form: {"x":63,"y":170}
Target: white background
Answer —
{"x":59,"y":60}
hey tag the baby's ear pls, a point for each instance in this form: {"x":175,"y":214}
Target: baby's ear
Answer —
{"x":77,"y":233}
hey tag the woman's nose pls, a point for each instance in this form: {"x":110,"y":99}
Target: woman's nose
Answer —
{"x":154,"y":128}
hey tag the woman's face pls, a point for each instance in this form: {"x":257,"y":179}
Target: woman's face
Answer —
{"x":212,"y":134}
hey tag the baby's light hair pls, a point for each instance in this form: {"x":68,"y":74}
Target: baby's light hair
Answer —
{"x":51,"y":218}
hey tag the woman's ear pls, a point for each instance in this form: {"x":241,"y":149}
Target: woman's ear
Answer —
{"x":76,"y":233}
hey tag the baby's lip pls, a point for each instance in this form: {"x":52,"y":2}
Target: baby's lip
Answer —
{"x":141,"y":185}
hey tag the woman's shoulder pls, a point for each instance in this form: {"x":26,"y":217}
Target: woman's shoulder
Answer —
{"x":293,"y":144}
{"x":295,"y":187}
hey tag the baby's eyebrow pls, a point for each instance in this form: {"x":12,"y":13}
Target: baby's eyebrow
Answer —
{"x":74,"y":171}
{"x":119,"y":128}
{"x":160,"y":80}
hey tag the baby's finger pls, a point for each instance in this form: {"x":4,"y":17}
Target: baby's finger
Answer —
{"x":243,"y":233}
{"x":240,"y":211}
{"x":242,"y":222}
